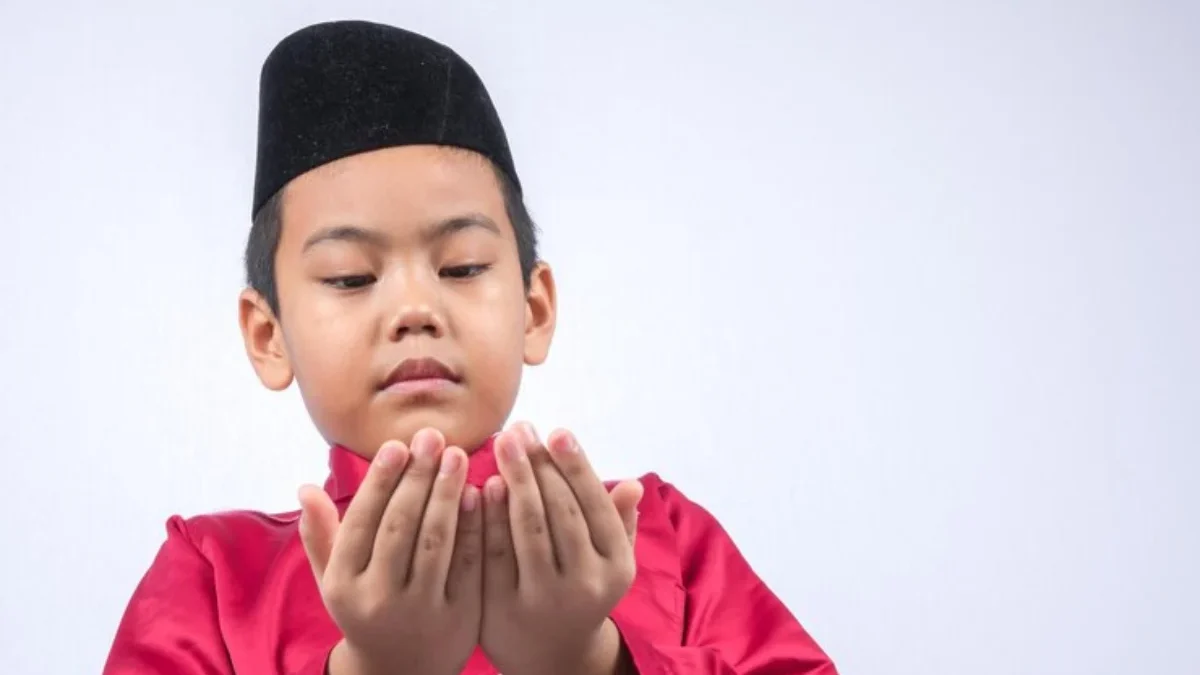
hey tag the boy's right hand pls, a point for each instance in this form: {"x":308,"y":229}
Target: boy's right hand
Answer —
{"x":401,"y":574}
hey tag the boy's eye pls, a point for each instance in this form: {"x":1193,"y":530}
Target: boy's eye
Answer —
{"x":463,"y":271}
{"x":350,"y":282}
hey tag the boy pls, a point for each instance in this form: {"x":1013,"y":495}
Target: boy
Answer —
{"x":393,"y":275}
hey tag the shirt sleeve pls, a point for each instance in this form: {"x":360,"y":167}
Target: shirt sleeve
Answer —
{"x":733,"y":624}
{"x":170,"y":624}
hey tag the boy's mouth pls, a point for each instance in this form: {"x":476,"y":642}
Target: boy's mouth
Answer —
{"x":420,"y":375}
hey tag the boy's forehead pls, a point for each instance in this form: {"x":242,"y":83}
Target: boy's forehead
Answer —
{"x":405,"y":175}
{"x":407,"y":189}
{"x":398,"y":163}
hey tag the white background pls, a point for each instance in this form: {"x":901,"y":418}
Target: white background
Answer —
{"x":905,"y":293}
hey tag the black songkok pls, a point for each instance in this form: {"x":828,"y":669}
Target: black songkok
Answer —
{"x":336,"y":89}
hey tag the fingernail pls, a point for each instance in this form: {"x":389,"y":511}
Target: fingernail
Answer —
{"x":495,"y":490}
{"x":450,"y":461}
{"x":388,"y":455}
{"x":566,"y":443}
{"x":509,"y":448}
{"x":470,"y":499}
{"x":529,"y":434}
{"x":504,"y":447}
{"x":422,"y":446}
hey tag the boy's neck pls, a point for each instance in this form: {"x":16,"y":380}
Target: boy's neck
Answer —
{"x":347,"y":469}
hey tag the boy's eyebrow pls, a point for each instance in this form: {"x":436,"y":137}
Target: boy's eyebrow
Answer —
{"x":374,"y":238}
{"x":457,"y":224}
{"x":346,"y":233}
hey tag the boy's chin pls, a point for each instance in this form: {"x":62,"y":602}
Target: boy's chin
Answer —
{"x":457,"y":431}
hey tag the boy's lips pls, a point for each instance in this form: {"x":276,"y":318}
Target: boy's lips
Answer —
{"x":420,"y":376}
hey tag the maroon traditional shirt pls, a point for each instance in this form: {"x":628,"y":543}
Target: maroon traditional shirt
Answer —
{"x":233,"y":593}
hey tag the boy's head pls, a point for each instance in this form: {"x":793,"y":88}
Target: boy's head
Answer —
{"x":392,"y":265}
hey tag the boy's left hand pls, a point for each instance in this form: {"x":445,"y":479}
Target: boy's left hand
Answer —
{"x":559,"y":557}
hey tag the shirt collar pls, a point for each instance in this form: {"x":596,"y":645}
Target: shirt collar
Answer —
{"x":347,"y":469}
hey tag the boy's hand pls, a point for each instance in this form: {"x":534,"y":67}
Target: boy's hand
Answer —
{"x":401,"y":574}
{"x":559,"y":558}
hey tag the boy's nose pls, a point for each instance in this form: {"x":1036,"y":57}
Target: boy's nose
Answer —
{"x":416,"y":319}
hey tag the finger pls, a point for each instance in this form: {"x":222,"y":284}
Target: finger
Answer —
{"x":353,"y":546}
{"x":318,"y":527}
{"x":526,"y":513}
{"x":435,"y":542}
{"x":568,"y":530}
{"x":625,"y":498}
{"x":401,"y":521}
{"x":500,"y":569}
{"x":466,"y":568}
{"x":602,"y":517}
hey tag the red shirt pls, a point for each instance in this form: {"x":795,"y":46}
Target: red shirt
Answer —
{"x":234,"y":593}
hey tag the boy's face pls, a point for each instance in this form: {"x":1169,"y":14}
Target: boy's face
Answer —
{"x":401,"y":300}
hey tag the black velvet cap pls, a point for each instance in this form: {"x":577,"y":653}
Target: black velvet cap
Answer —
{"x":340,"y":88}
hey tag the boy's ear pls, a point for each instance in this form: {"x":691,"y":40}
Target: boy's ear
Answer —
{"x":541,"y":312}
{"x":264,"y":341}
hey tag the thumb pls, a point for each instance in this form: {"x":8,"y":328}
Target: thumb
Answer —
{"x":626,"y":496}
{"x":318,"y":526}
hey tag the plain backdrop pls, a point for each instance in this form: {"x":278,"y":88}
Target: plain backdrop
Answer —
{"x":905,"y":293}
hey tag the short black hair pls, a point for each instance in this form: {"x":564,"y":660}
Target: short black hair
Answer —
{"x":267,"y":225}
